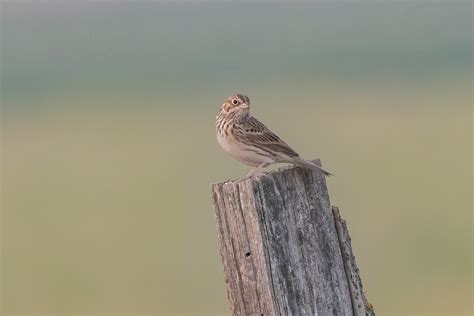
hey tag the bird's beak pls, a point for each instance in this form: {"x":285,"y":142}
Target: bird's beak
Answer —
{"x":244,"y":106}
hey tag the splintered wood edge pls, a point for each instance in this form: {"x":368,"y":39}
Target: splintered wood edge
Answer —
{"x":360,"y":305}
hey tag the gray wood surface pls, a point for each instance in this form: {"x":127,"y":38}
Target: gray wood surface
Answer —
{"x":360,"y":305}
{"x":284,"y":250}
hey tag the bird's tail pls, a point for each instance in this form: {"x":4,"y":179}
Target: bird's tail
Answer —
{"x":310,"y":165}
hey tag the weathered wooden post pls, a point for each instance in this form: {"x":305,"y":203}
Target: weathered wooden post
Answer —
{"x":285,"y":250}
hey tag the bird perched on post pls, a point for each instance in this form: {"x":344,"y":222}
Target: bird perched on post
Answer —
{"x":246,"y":139}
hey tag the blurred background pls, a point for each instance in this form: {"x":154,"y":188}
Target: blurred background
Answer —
{"x":108,"y":145}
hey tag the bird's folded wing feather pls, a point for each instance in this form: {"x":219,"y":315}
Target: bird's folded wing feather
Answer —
{"x":254,"y":132}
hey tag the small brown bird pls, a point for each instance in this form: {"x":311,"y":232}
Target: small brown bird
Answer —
{"x":246,"y":139}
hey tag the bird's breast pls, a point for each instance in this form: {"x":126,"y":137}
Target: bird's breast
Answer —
{"x":244,"y":153}
{"x":226,"y":142}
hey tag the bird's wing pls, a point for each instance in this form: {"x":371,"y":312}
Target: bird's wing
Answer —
{"x":256,"y":133}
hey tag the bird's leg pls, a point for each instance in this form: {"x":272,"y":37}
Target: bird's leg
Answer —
{"x":256,"y":169}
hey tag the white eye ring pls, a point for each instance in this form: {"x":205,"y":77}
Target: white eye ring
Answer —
{"x":235,"y":102}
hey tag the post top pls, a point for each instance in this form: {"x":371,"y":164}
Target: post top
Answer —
{"x":269,"y":174}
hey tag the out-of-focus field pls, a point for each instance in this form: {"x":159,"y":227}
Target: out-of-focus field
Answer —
{"x":106,"y":204}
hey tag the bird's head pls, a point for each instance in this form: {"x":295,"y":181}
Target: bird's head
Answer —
{"x":236,"y":102}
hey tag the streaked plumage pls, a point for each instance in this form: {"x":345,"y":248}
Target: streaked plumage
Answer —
{"x":249,"y":141}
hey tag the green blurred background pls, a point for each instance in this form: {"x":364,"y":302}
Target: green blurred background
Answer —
{"x":108,"y":145}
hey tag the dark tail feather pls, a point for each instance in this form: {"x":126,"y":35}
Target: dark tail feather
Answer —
{"x":311,"y":165}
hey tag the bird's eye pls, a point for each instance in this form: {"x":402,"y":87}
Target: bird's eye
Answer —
{"x":234,"y":101}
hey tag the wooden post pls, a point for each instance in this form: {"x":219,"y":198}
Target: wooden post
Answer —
{"x":285,"y":250}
